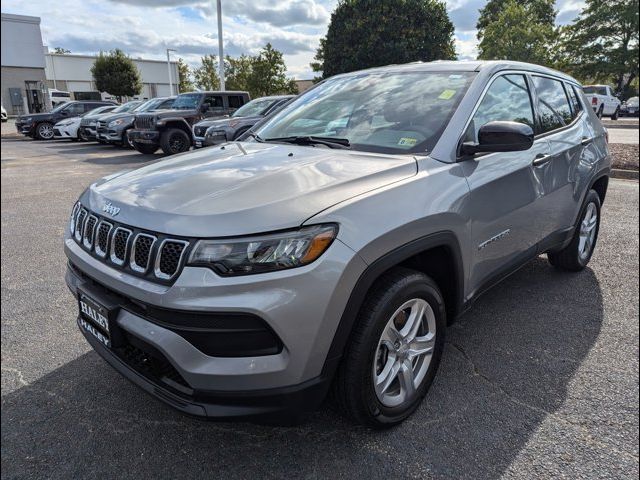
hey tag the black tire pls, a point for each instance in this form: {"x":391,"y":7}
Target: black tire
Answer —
{"x":616,"y":114}
{"x":353,"y":387}
{"x":44,"y":131}
{"x":145,"y":148}
{"x":570,"y":258}
{"x":601,"y":111}
{"x":82,"y":136}
{"x":174,"y":140}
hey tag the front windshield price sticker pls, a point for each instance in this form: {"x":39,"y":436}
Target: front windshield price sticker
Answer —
{"x":407,"y":142}
{"x":447,"y":95}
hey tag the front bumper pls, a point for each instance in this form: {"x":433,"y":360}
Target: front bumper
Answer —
{"x":109,"y":135}
{"x":89,"y":132}
{"x":25,"y":128}
{"x":144,"y":136}
{"x":302,"y":306}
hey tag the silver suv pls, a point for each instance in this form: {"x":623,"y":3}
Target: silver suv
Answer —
{"x":331,"y":249}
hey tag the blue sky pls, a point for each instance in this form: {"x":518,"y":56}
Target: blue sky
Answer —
{"x":145,"y":28}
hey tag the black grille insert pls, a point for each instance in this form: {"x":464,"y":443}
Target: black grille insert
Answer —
{"x":102,"y":238}
{"x":141,"y":253}
{"x":119,"y":244}
{"x":89,"y":232}
{"x":169,"y":258}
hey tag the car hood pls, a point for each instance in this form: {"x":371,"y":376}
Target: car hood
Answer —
{"x":110,"y":117}
{"x":243,"y":188}
{"x":224,"y":122}
{"x":36,"y":116}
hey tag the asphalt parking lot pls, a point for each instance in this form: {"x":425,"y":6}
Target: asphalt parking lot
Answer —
{"x":539,"y":379}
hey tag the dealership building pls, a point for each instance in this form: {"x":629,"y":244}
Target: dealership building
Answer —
{"x":29,"y":71}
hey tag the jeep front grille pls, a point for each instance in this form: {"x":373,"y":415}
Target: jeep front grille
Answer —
{"x":144,"y":122}
{"x":148,"y":254}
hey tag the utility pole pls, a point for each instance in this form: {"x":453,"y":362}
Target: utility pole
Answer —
{"x":220,"y":47}
{"x":169,"y":50}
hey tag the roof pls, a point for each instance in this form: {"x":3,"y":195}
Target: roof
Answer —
{"x":469,"y":66}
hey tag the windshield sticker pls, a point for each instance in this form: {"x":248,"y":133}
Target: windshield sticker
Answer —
{"x":407,"y":142}
{"x":447,"y":95}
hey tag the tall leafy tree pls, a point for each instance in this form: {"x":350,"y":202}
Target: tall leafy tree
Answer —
{"x":268,"y":74}
{"x":371,"y":33}
{"x":115,"y":73}
{"x":540,"y":12}
{"x":184,"y":77}
{"x":238,"y":71}
{"x":206,"y":75}
{"x":513,"y":36}
{"x":602,"y":44}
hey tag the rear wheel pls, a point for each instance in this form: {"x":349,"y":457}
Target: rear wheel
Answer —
{"x":44,"y":131}
{"x":601,"y":111}
{"x":577,"y":254}
{"x":394,"y":351}
{"x":145,"y":148}
{"x":616,"y":114}
{"x":175,"y":140}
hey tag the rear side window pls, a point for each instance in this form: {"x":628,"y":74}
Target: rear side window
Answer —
{"x":507,"y":99}
{"x":576,"y":105}
{"x":214,"y":102}
{"x":553,"y":104}
{"x":235,"y":101}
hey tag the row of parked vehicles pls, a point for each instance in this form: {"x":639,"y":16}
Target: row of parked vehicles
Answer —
{"x":173,"y":124}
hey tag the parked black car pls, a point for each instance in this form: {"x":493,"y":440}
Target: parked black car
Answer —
{"x":114,"y":128}
{"x":212,"y":132}
{"x":40,"y":125}
{"x":171,"y":129}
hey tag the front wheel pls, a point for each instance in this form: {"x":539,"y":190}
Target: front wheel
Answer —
{"x":394,"y":350}
{"x":145,"y":148}
{"x":577,"y":254}
{"x":44,"y":131}
{"x":175,"y":140}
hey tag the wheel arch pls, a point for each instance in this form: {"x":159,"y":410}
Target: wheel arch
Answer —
{"x":177,"y":123}
{"x":437,"y":255}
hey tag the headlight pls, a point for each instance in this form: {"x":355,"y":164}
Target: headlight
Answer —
{"x":264,"y":253}
{"x":27,"y":120}
{"x":212,"y":132}
{"x":115,"y":123}
{"x":65,"y":123}
{"x":92,"y":123}
{"x":74,"y":216}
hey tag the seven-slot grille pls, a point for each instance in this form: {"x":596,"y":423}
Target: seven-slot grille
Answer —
{"x":144,"y":122}
{"x":143,"y":253}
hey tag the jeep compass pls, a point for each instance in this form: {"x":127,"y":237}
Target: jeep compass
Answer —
{"x":331,"y":248}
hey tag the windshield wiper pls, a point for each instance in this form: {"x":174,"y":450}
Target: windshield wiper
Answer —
{"x":311,"y":140}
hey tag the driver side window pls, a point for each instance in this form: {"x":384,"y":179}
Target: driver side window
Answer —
{"x":507,"y":99}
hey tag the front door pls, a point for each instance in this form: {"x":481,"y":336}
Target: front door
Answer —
{"x":504,"y":193}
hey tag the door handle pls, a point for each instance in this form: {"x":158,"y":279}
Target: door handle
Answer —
{"x":541,"y":159}
{"x":586,"y":141}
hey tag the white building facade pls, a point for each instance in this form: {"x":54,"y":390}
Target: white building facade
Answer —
{"x":72,"y":73}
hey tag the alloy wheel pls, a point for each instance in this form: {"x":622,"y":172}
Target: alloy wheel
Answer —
{"x":177,"y":143}
{"x":45,"y":131}
{"x":404,"y":353}
{"x":588,"y":231}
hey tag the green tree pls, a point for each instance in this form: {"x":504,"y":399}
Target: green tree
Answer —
{"x":371,"y":33}
{"x":184,"y":77}
{"x":206,"y":75}
{"x":237,"y":72}
{"x":540,"y":11}
{"x":513,"y":36}
{"x":61,"y":51}
{"x":115,"y":73}
{"x":602,"y":44}
{"x":268,"y":74}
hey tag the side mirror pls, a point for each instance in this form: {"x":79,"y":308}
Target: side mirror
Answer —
{"x":500,"y":137}
{"x":204,"y":108}
{"x":64,"y":112}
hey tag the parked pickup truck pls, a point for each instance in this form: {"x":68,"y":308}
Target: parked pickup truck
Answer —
{"x":603,"y":101}
{"x":171,"y":129}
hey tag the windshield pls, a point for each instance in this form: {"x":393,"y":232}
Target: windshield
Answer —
{"x":377,"y":112}
{"x":61,"y":106}
{"x":595,"y":90}
{"x":254,"y":108}
{"x":126,"y":107}
{"x":187,"y":101}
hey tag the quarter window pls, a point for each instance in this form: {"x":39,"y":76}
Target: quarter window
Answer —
{"x":507,"y":99}
{"x":235,"y":101}
{"x":576,"y":106}
{"x":553,"y":104}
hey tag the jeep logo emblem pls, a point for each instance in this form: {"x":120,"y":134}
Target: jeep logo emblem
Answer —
{"x":111,"y":209}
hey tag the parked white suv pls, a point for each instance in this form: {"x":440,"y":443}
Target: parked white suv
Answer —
{"x":603,"y":101}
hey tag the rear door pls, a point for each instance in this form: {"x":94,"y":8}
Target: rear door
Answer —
{"x":215,"y":104}
{"x":559,"y":121}
{"x":504,"y":193}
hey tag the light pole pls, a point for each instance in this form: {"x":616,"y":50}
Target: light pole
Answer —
{"x":220,"y":47}
{"x":169,"y":50}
